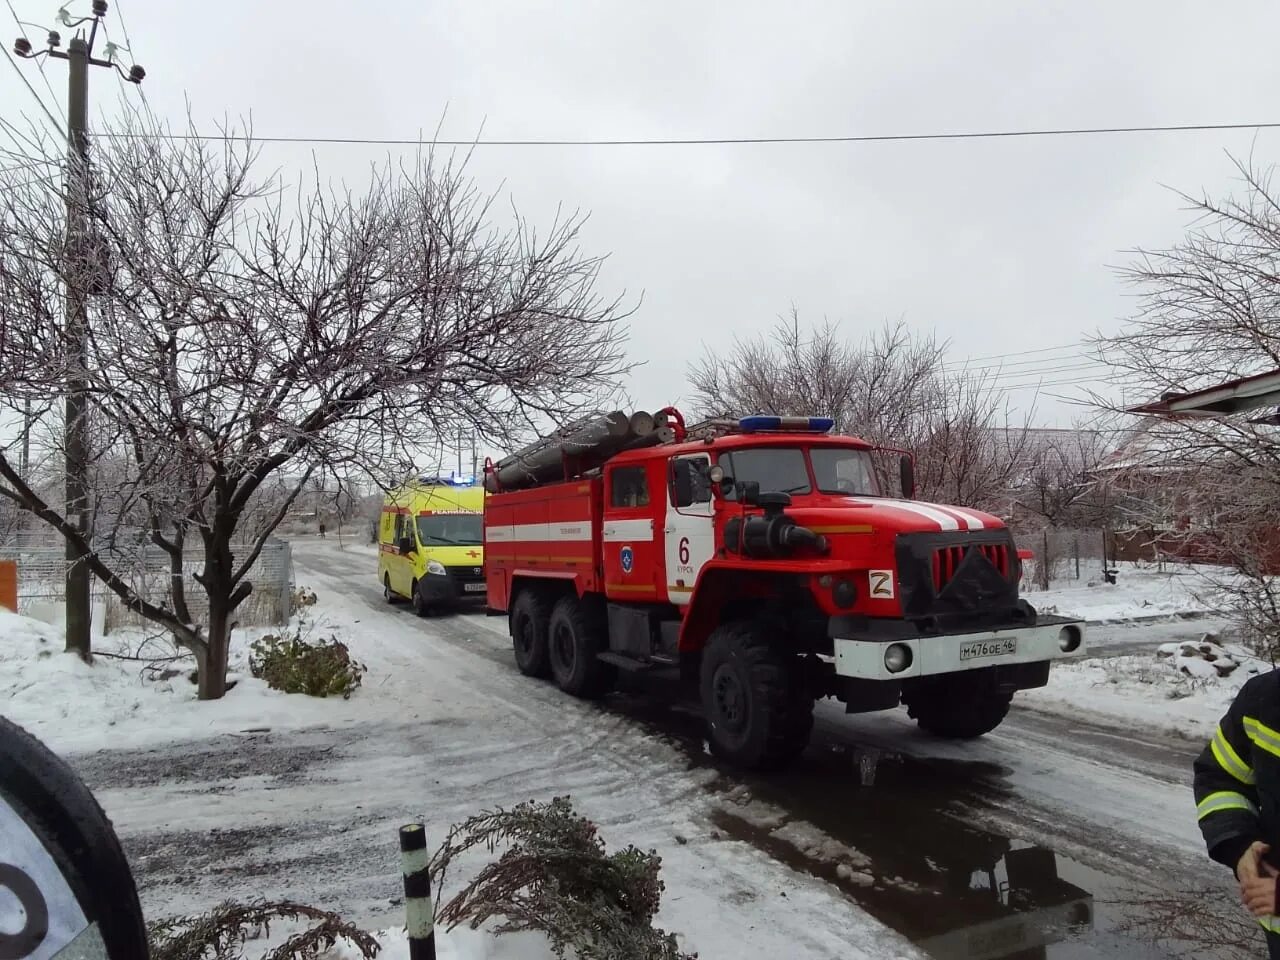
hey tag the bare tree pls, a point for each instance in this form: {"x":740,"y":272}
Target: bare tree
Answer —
{"x":1056,"y":481}
{"x":242,"y":334}
{"x":1208,"y":312}
{"x":892,"y":388}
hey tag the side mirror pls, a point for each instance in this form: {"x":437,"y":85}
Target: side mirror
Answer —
{"x":907,"y":473}
{"x":749,"y":493}
{"x":682,"y":481}
{"x":406,"y":546}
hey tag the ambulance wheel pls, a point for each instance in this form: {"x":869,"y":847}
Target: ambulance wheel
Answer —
{"x":530,"y":615}
{"x":574,"y":643}
{"x":420,"y":605}
{"x":958,"y":707}
{"x":758,"y":709}
{"x":387,"y":593}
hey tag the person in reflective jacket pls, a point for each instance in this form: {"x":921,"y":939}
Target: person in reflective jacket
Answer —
{"x":1237,"y":791}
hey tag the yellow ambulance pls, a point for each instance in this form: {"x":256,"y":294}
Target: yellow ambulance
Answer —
{"x":431,"y":543}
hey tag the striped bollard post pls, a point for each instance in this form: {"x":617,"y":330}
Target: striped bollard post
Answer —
{"x":419,"y":907}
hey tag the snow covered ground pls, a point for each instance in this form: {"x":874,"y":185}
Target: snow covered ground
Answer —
{"x":1172,"y":688}
{"x":77,"y":708}
{"x":263,"y":794}
{"x":267,"y":795}
{"x":1141,"y":591}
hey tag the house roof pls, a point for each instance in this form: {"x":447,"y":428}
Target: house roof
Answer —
{"x":1247,"y":393}
{"x":1158,"y":444}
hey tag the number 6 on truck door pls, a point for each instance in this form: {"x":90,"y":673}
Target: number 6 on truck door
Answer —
{"x":690,"y":526}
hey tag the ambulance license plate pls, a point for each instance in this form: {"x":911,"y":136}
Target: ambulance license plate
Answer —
{"x":978,"y":649}
{"x":473,"y":587}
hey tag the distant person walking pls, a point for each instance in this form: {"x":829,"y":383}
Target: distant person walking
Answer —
{"x":321,"y":531}
{"x":1237,"y":790}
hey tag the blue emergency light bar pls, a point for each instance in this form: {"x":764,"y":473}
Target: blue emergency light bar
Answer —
{"x":449,"y":481}
{"x":760,"y":424}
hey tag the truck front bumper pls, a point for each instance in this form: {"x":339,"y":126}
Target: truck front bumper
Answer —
{"x":1051,"y":638}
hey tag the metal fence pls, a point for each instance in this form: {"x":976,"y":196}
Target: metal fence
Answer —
{"x":42,"y":571}
{"x":1063,"y":556}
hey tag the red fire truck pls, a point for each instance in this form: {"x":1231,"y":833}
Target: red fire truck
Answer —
{"x":759,"y":562}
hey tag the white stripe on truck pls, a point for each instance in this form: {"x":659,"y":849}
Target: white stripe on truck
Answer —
{"x":639,"y":531}
{"x":570,"y":531}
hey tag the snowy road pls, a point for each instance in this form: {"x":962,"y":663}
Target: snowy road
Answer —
{"x":926,"y":836}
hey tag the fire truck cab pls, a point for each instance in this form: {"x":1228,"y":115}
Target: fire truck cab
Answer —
{"x":760,"y":562}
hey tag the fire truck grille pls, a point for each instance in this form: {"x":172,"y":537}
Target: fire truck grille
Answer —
{"x":946,"y":560}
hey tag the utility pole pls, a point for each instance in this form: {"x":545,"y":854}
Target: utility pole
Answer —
{"x":83,"y":277}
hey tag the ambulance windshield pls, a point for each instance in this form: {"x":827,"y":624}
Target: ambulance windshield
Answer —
{"x":451,"y":530}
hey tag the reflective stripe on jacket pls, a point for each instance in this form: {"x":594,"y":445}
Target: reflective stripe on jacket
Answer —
{"x":1237,"y":777}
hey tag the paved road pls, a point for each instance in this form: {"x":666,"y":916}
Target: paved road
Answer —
{"x":960,"y":847}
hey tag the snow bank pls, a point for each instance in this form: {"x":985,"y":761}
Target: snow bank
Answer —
{"x":75,"y":707}
{"x":1183,"y":688}
{"x":1140,"y":591}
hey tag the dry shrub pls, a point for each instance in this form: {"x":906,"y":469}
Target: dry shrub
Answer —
{"x":221,"y":933}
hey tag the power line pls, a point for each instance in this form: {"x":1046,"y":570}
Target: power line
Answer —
{"x":1028,"y":376}
{"x":1047,"y":364}
{"x":128,"y":41}
{"x":714,"y":141}
{"x":27,"y":83}
{"x":44,"y":76}
{"x":1025,"y":353}
{"x":1041,"y":384}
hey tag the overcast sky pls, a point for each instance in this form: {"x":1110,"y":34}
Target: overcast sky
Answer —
{"x":1002,"y":246}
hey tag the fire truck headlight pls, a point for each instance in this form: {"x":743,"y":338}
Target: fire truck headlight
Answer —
{"x":897,"y":657}
{"x":1069,"y":638}
{"x":437,"y":568}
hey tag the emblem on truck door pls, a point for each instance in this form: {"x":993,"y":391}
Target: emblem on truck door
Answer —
{"x":881,"y":584}
{"x":628,"y":559}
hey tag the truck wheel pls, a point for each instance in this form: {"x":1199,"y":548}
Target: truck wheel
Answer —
{"x":958,"y":707}
{"x":530,"y":615}
{"x":387,"y":593}
{"x":759,"y":713}
{"x":573,"y":643}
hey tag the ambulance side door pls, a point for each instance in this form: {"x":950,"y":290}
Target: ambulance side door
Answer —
{"x":401,"y":562}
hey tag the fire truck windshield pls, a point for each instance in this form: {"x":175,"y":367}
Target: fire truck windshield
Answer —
{"x":451,"y":529}
{"x":784,"y":470}
{"x":844,"y":470}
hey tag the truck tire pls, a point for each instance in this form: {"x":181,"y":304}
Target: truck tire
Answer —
{"x":573,"y":647}
{"x":759,"y":713}
{"x":958,"y":707}
{"x":530,"y":616}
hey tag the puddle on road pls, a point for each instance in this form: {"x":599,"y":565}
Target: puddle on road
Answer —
{"x":895,"y":834}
